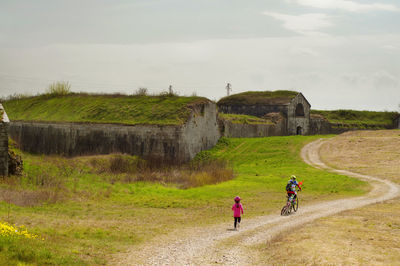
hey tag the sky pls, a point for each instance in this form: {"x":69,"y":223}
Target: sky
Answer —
{"x":341,"y":54}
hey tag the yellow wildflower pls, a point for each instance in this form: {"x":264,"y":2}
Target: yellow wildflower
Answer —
{"x":8,"y":230}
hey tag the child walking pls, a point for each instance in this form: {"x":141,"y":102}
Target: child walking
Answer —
{"x":237,"y":209}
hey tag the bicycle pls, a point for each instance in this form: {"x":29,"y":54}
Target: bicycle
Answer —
{"x":290,"y":205}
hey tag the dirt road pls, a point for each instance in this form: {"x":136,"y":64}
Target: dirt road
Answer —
{"x":199,"y":246}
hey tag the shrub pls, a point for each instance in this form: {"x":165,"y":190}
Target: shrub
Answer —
{"x":117,"y":164}
{"x":59,"y":88}
{"x":141,"y":92}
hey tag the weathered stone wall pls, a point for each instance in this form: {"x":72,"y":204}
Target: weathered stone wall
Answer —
{"x":298,"y":121}
{"x":3,"y":149}
{"x":254,"y":110}
{"x":236,"y":130}
{"x":397,"y":122}
{"x":320,"y":126}
{"x":201,"y":132}
{"x":3,"y":142}
{"x":288,"y":111}
{"x":165,"y":143}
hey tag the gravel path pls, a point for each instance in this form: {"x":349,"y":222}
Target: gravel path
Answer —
{"x":210,"y":246}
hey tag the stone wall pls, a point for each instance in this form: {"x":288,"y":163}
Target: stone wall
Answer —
{"x":3,"y":142}
{"x":287,"y":110}
{"x":201,"y":132}
{"x":397,"y":123}
{"x":3,"y":149}
{"x":319,"y":126}
{"x":237,"y":130}
{"x":164,"y":143}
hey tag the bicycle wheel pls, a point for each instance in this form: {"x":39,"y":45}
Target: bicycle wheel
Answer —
{"x":284,"y":210}
{"x":289,"y":207}
{"x":296,"y":205}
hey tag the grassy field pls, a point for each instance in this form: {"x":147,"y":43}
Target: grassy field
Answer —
{"x":358,"y":119}
{"x":122,"y":109}
{"x":365,"y":236}
{"x":85,"y":214}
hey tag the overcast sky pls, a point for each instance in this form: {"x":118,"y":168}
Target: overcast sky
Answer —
{"x":339,"y":53}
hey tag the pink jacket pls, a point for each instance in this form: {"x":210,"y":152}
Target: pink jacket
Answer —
{"x":237,"y":210}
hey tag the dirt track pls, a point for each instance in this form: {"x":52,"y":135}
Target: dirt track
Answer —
{"x":208,"y":247}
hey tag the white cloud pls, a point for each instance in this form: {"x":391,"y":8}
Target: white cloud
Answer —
{"x":307,"y":24}
{"x":347,"y":5}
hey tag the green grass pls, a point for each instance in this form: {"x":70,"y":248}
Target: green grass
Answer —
{"x":259,"y":97}
{"x":94,"y":217}
{"x":359,"y":119}
{"x":122,"y":109}
{"x":244,"y":119}
{"x":22,"y":251}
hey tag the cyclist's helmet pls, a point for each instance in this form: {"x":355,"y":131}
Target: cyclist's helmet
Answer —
{"x":237,"y":198}
{"x":293,"y":177}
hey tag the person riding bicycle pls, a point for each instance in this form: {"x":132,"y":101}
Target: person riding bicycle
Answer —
{"x":291,"y":188}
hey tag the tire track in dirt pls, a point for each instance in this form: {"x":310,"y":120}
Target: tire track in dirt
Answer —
{"x":210,"y":246}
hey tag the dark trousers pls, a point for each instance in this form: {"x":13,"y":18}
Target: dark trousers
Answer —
{"x":237,"y":220}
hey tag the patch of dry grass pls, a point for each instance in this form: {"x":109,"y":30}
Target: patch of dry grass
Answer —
{"x":128,"y":169}
{"x":366,"y":236}
{"x":375,"y":153}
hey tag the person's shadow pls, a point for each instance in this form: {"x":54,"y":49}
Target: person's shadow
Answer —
{"x":231,"y":229}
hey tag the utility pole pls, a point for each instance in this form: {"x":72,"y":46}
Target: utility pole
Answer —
{"x":228,"y":89}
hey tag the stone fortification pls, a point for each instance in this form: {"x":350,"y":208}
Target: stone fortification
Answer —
{"x":293,"y":106}
{"x":319,"y":125}
{"x":4,"y":122}
{"x":237,"y":130}
{"x":298,"y":116}
{"x":170,"y":143}
{"x":253,"y":109}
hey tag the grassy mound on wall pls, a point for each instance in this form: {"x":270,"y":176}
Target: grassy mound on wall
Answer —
{"x":90,"y":108}
{"x":244,"y":119}
{"x":259,"y":97}
{"x":359,"y":119}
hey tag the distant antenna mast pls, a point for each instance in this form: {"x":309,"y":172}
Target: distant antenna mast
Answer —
{"x":170,"y":89}
{"x":228,"y":88}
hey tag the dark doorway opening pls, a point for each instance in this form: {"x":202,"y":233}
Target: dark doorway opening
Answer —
{"x":298,"y":132}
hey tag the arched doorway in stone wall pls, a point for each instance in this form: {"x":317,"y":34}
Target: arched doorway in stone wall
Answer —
{"x":299,"y":131}
{"x":299,"y":110}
